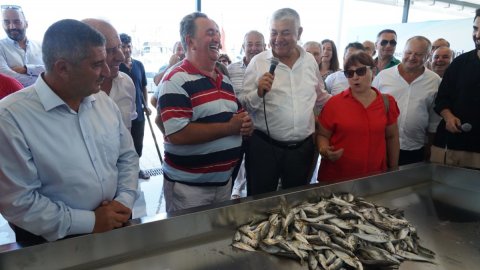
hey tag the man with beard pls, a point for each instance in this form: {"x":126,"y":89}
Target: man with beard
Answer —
{"x":203,"y":121}
{"x":414,"y":87}
{"x":282,"y":107}
{"x":118,"y":85}
{"x":20,"y":57}
{"x":68,"y":165}
{"x":458,"y":102}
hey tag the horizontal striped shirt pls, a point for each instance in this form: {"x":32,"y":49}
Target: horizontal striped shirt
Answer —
{"x":188,"y":96}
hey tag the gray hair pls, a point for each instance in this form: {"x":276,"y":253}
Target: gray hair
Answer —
{"x":70,"y":40}
{"x":424,"y":39}
{"x":188,"y":27}
{"x":312,"y":43}
{"x":253,"y":32}
{"x":287,"y":13}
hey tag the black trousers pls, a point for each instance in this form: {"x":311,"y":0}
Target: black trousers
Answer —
{"x":266,"y":162}
{"x":138,"y":131}
{"x":411,"y":156}
{"x":25,"y":237}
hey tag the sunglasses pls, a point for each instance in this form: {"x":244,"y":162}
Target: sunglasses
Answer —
{"x":15,"y":7}
{"x":392,"y":42}
{"x":360,"y":72}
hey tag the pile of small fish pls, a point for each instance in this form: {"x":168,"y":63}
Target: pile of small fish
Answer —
{"x":340,"y":232}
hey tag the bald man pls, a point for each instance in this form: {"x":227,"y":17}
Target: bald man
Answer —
{"x":369,"y":47}
{"x":118,"y":85}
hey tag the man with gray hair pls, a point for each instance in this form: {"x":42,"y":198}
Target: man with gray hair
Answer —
{"x":442,"y":57}
{"x":203,"y":121}
{"x":315,"y":48}
{"x":282,"y":105}
{"x":68,"y":162}
{"x":414,"y":87}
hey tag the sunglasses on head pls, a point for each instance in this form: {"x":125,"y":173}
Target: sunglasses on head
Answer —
{"x":15,"y":7}
{"x":360,"y":72}
{"x":392,"y":42}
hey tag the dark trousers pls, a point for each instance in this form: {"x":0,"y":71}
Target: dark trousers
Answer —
{"x":138,"y":131}
{"x":25,"y":237}
{"x":266,"y":162}
{"x":411,"y":156}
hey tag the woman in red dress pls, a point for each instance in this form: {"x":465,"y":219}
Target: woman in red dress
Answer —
{"x":358,"y":133}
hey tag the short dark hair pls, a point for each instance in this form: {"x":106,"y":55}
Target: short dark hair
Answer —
{"x":356,"y":45}
{"x":359,"y":57}
{"x":188,"y":27}
{"x":125,"y":38}
{"x":477,"y":13}
{"x":70,"y":40}
{"x":334,"y":64}
{"x":389,"y":31}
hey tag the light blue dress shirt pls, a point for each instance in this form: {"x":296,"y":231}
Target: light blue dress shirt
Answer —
{"x":12,"y":55}
{"x":57,"y":165}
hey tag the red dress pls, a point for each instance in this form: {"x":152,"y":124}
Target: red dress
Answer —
{"x":360,"y":132}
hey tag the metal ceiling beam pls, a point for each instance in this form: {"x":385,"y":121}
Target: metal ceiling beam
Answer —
{"x":460,"y":3}
{"x":406,"y":10}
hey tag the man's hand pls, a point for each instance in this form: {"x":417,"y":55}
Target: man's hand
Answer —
{"x":265,"y":84}
{"x":247,"y":125}
{"x":330,"y":154}
{"x":110,"y":215}
{"x":452,"y":124}
{"x":21,"y":70}
{"x":147,"y":110}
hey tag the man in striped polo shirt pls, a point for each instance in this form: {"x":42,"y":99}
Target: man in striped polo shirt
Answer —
{"x":203,"y":121}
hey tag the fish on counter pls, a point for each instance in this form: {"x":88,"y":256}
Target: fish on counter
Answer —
{"x":340,"y":232}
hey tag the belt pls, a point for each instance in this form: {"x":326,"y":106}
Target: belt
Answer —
{"x":280,"y":144}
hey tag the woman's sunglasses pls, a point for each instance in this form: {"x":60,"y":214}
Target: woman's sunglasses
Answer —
{"x":360,"y":72}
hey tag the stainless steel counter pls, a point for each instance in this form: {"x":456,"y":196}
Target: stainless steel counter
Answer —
{"x":442,"y":202}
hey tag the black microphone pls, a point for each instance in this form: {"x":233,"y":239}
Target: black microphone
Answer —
{"x":273,"y":65}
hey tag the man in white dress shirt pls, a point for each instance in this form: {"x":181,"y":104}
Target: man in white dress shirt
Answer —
{"x":20,"y":57}
{"x":281,"y":146}
{"x":414,"y":87}
{"x":119,"y":86}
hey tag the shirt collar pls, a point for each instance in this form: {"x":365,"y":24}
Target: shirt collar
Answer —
{"x":49,"y":99}
{"x":188,"y":67}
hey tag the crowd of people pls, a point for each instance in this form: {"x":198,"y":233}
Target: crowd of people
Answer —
{"x":73,"y":109}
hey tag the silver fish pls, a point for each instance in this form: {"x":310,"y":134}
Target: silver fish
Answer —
{"x":373,"y":238}
{"x":414,"y":257}
{"x":241,"y":245}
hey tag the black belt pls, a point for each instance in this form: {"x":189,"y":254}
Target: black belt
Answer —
{"x":280,"y":144}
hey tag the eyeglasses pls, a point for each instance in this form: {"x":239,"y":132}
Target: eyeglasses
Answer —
{"x":392,"y":42}
{"x":360,"y":72}
{"x":15,"y":7}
